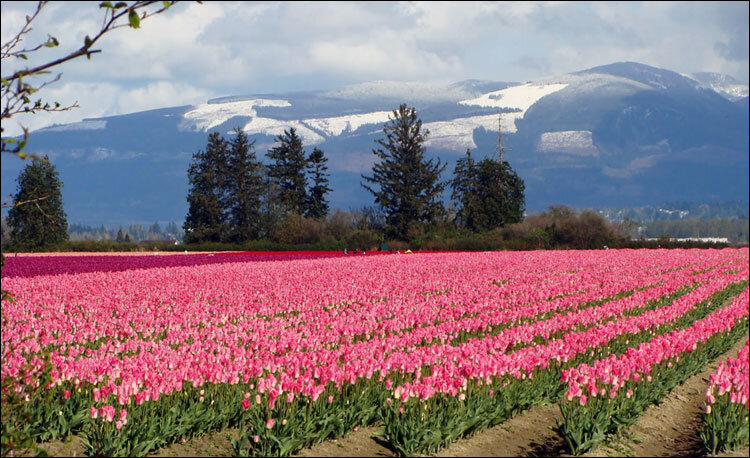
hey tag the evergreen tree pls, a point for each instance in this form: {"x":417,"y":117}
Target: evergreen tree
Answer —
{"x":208,"y":194}
{"x":500,"y":192}
{"x":317,"y":205}
{"x":407,"y":186}
{"x":247,"y":186}
{"x":288,"y":170}
{"x":120,"y":236}
{"x":464,"y":186}
{"x":37,"y":218}
{"x":272,"y":210}
{"x":491,"y":194}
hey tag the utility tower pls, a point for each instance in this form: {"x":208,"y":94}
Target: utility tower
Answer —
{"x":500,"y":148}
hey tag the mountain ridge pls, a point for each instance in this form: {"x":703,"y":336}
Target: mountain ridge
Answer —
{"x":614,"y":135}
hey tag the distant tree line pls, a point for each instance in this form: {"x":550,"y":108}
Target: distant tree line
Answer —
{"x":238,"y":202}
{"x":235,"y":198}
{"x":679,"y":211}
{"x":129,"y":233}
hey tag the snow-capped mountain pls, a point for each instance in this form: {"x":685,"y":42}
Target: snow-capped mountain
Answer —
{"x":615,"y":135}
{"x":723,"y":84}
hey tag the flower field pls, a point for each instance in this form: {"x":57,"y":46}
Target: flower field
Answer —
{"x":135,"y":354}
{"x":726,"y":418}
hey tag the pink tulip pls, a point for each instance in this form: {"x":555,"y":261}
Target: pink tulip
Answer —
{"x":197,"y":320}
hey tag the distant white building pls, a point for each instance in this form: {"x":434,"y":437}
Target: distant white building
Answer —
{"x":705,"y":239}
{"x":698,"y":239}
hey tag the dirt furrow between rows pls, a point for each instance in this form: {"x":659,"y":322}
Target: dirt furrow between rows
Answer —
{"x":671,"y":428}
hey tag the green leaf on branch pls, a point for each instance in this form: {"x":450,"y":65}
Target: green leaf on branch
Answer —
{"x":105,"y":5}
{"x":135,"y":21}
{"x":51,"y":42}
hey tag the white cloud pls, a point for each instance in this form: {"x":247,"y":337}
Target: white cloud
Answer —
{"x":94,"y":100}
{"x":104,"y":99}
{"x":158,"y":95}
{"x":229,"y":48}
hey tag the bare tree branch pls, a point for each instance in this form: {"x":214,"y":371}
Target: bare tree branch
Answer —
{"x":18,"y":204}
{"x":16,"y":92}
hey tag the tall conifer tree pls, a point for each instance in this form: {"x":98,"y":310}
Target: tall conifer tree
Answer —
{"x":490,"y":194}
{"x":272,"y":210}
{"x":317,"y":205}
{"x":208,"y":195}
{"x":500,"y":193}
{"x":287,"y":170}
{"x":405,"y":185}
{"x":247,"y":187}
{"x":37,"y":219}
{"x":464,"y":186}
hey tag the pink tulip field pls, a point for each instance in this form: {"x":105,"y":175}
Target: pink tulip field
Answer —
{"x":133,"y":355}
{"x":726,"y":417}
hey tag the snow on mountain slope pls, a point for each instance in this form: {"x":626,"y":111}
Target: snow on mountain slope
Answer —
{"x":340,"y":124}
{"x":723,"y":84}
{"x":208,"y":115}
{"x":458,"y":134}
{"x":86,"y":124}
{"x":652,"y":144}
{"x":587,"y":82}
{"x":270,"y":126}
{"x":733,"y":92}
{"x":576,"y":142}
{"x":518,"y":97}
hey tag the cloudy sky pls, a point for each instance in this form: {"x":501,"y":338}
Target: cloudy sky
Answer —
{"x":195,"y":52}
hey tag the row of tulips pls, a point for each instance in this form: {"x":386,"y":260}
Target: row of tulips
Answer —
{"x":600,"y":325}
{"x":95,"y":394}
{"x":103,"y":394}
{"x":492,"y":388}
{"x":160,"y":298}
{"x":149,"y":341}
{"x":254,"y":443}
{"x":604,"y":397}
{"x":725,"y":422}
{"x":185,"y":345}
{"x":32,"y":266}
{"x":367,"y":399}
